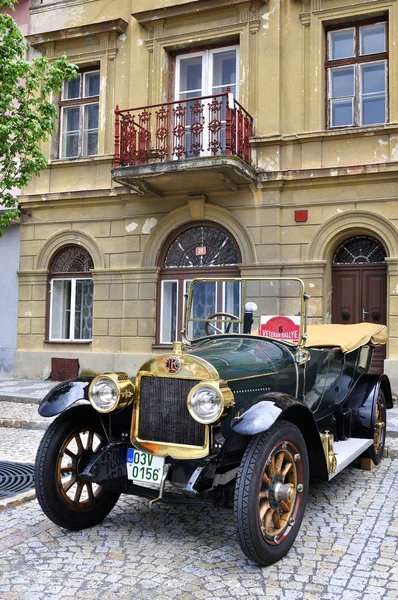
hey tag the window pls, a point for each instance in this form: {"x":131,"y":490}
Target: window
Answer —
{"x":205,"y":73}
{"x":196,"y":252}
{"x":356,"y":68}
{"x":71,"y":295}
{"x":79,"y":115}
{"x":359,"y":250}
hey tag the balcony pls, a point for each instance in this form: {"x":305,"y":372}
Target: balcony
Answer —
{"x":190,"y":146}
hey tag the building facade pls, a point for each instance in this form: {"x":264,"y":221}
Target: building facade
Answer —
{"x":263,"y":143}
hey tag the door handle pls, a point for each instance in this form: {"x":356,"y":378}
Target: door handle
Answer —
{"x":364,"y":312}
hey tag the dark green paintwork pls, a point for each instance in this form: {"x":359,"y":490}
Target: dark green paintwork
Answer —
{"x":252,"y":366}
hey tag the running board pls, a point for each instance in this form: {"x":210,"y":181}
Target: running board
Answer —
{"x":348,"y":451}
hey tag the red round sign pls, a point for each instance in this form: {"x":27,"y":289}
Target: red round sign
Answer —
{"x":280,"y":327}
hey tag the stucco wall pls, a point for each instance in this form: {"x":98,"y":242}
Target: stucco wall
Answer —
{"x":345,"y":179}
{"x":9,"y":258}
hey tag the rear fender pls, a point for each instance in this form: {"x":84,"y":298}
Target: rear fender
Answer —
{"x":64,"y":395}
{"x":362,"y":400}
{"x":265,"y":410}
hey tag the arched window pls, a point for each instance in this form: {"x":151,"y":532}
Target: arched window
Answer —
{"x":359,"y":250}
{"x":71,"y":295}
{"x":200,"y":251}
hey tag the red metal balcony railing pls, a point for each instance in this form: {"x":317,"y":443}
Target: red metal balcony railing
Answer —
{"x":204,"y":126}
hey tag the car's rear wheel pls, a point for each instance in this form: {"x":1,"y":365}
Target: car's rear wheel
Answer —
{"x":378,"y":425}
{"x":271,"y":493}
{"x":67,"y":446}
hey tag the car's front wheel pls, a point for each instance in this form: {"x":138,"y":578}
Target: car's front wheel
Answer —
{"x":66,"y":448}
{"x":271,"y":492}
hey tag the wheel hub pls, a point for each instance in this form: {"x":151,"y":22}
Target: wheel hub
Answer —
{"x":83,"y":461}
{"x":280,"y":492}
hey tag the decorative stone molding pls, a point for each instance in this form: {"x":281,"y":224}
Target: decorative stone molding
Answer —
{"x":65,"y":238}
{"x":182,"y":215}
{"x":328,"y":236}
{"x":147,"y":18}
{"x":197,"y":207}
{"x":112,"y":28}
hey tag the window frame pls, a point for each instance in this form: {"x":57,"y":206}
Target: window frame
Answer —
{"x":73,"y":278}
{"x":356,"y":61}
{"x":182,"y":275}
{"x":161,"y":301}
{"x":81,"y":102}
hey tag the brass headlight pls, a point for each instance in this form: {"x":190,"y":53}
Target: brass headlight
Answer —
{"x":207,"y":402}
{"x":110,"y":391}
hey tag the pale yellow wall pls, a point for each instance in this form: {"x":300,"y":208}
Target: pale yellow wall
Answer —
{"x":333,"y":174}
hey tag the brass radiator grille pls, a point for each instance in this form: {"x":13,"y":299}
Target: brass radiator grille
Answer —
{"x":163,"y":412}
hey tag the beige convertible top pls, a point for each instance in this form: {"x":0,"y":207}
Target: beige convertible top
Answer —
{"x":347,"y":337}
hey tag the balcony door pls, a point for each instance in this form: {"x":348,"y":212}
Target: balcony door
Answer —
{"x":205,"y":73}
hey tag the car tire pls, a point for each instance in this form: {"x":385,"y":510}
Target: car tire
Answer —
{"x":378,"y":426}
{"x":271,"y":493}
{"x":67,"y":445}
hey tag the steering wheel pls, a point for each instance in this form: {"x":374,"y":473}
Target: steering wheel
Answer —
{"x":217,"y":329}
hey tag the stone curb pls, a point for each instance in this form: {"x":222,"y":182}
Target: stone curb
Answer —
{"x":20,"y":399}
{"x":21,"y":424}
{"x":17,"y":500}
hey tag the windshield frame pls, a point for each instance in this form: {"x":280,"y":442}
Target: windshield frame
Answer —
{"x":244,"y":281}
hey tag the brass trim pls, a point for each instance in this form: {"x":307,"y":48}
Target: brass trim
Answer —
{"x":178,"y":451}
{"x":177,"y":348}
{"x":124,"y":387}
{"x":330,"y":455}
{"x":192,"y":368}
{"x":224,"y":393}
{"x":253,"y":376}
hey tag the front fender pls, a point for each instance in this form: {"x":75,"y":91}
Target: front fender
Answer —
{"x":261,"y":414}
{"x":64,"y":395}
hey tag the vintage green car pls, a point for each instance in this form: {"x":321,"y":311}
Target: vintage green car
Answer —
{"x":251,"y":405}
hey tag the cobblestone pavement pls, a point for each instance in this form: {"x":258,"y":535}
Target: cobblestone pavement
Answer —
{"x":347,"y":548}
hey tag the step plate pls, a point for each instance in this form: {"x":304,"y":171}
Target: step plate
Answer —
{"x":348,"y":451}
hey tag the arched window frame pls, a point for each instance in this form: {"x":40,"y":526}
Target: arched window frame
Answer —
{"x":67,"y":289}
{"x":350,"y":252}
{"x":181,"y":276}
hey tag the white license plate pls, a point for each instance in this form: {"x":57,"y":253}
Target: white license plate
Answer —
{"x":142,"y":466}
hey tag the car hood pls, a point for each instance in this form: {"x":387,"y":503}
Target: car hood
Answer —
{"x":236,"y":357}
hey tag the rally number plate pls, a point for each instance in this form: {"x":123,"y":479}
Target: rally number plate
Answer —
{"x":144,"y":467}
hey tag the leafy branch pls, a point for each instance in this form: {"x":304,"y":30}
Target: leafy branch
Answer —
{"x":27,"y":115}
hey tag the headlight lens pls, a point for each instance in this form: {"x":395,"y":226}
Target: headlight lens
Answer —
{"x":104,"y":394}
{"x":205,"y":404}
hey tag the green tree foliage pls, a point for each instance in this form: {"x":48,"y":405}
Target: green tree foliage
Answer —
{"x":27,"y":115}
